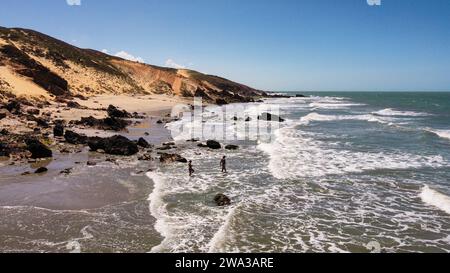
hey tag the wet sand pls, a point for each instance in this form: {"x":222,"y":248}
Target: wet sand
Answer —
{"x":101,"y":208}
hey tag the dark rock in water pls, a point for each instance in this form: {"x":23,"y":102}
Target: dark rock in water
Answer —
{"x":58,"y":130}
{"x":109,"y":123}
{"x":74,"y":138}
{"x":91,"y":163}
{"x":25,"y":173}
{"x":168,"y":143}
{"x":232,"y":147}
{"x":116,"y":145}
{"x":300,"y":96}
{"x":202,"y":145}
{"x":66,"y":171}
{"x":164,"y":148}
{"x":146,"y":133}
{"x":159,"y":122}
{"x":74,"y":104}
{"x":235,"y":118}
{"x":143,"y":143}
{"x":170,"y":158}
{"x":212,"y":144}
{"x":192,"y":140}
{"x":222,"y":200}
{"x":114,"y":112}
{"x":270,"y":117}
{"x":146,"y":157}
{"x":37,"y":149}
{"x":4,"y":150}
{"x":41,"y":170}
{"x":248,"y":119}
{"x":221,"y":102}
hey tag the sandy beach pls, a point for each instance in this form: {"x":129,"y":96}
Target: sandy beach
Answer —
{"x":105,"y":194}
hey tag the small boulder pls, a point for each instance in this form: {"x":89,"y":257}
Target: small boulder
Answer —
{"x":221,"y":102}
{"x":66,"y":171}
{"x":37,"y":149}
{"x":116,"y":145}
{"x":58,"y":129}
{"x":248,"y":119}
{"x":232,"y":147}
{"x":4,"y":150}
{"x":116,"y":113}
{"x":159,"y":122}
{"x":170,"y":158}
{"x":212,"y":144}
{"x":91,"y":163}
{"x":41,"y":170}
{"x":143,"y":143}
{"x":74,"y":138}
{"x":74,"y":104}
{"x":222,"y":200}
{"x":13,"y":106}
{"x":145,"y":157}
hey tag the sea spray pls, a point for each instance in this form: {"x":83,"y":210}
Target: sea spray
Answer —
{"x":435,"y":199}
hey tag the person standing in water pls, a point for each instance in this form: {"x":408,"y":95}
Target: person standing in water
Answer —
{"x":191,"y":169}
{"x":223,"y":164}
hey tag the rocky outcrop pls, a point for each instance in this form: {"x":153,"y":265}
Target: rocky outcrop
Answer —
{"x":143,"y":143}
{"x":37,"y":149}
{"x":58,"y":129}
{"x":212,"y":144}
{"x":270,"y":117}
{"x":222,"y":200}
{"x":116,"y":145}
{"x":114,"y":112}
{"x":41,"y":170}
{"x":171,"y":158}
{"x":75,"y":138}
{"x":109,"y":123}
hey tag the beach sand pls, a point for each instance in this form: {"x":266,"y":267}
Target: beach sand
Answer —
{"x":92,"y":208}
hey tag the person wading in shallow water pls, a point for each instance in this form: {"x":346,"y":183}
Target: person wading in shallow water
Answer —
{"x":191,"y":169}
{"x":223,"y":164}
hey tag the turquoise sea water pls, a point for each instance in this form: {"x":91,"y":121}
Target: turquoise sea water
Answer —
{"x":346,"y":172}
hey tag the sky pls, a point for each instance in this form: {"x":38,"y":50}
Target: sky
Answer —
{"x":284,"y":45}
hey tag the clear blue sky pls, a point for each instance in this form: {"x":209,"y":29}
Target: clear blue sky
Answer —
{"x":401,"y":45}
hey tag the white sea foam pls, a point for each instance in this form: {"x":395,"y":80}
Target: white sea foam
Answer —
{"x":293,"y":155}
{"x":391,"y":112}
{"x":327,"y":105}
{"x":435,"y":199}
{"x":319,"y":117}
{"x":440,"y":133}
{"x":158,"y":209}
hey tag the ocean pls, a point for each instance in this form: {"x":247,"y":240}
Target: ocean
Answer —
{"x":345,"y":172}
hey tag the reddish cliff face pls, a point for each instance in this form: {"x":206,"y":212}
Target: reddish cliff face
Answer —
{"x":35,"y":65}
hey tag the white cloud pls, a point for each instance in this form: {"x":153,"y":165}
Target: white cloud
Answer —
{"x":173,"y":64}
{"x":125,"y":55}
{"x":105,"y":51}
{"x":73,"y":2}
